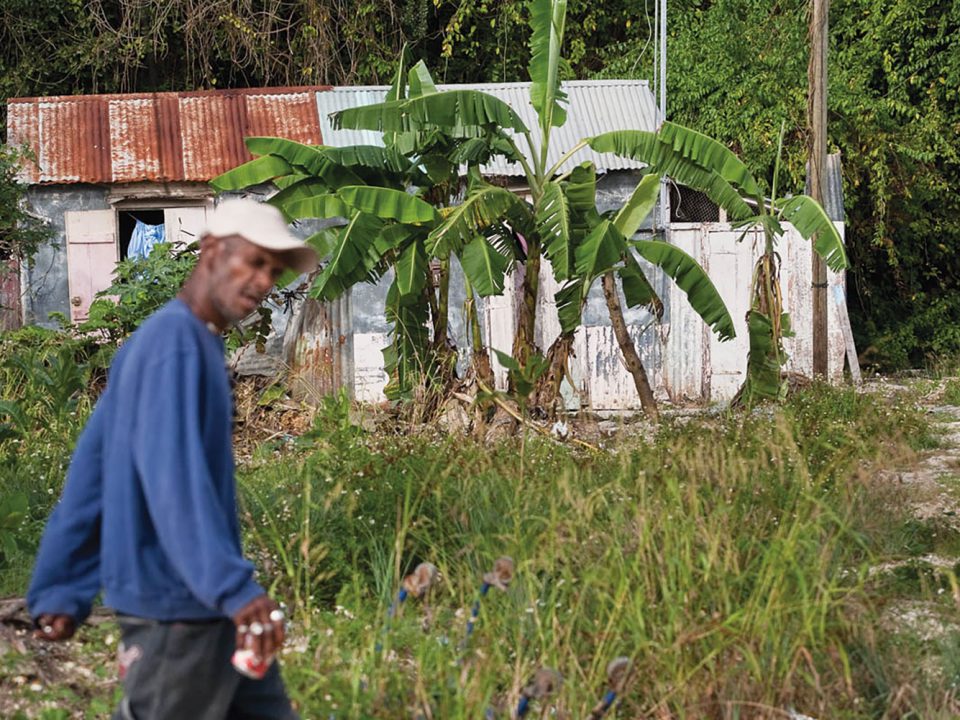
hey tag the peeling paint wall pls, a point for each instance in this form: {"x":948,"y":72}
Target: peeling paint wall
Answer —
{"x":44,"y":283}
{"x":697,"y":365}
{"x":684,"y":360}
{"x":339,"y":344}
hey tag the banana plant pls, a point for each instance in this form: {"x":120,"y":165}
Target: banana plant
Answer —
{"x":560,"y":219}
{"x":408,"y":206}
{"x":392,"y":204}
{"x":702,"y":163}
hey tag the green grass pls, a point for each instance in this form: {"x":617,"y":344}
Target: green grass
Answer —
{"x":951,"y":392}
{"x":727,"y":558}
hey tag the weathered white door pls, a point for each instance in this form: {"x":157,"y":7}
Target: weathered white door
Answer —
{"x":92,"y":255}
{"x":730,"y":266}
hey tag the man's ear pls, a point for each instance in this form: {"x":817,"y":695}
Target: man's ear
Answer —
{"x":210,"y":248}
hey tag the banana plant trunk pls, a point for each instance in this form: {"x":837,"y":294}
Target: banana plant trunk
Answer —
{"x":440,"y":276}
{"x":630,"y":356}
{"x":526,"y":319}
{"x":547,"y":393}
{"x":481,"y":366}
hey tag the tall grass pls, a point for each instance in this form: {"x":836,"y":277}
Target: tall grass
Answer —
{"x":727,"y":559}
{"x":45,"y":399}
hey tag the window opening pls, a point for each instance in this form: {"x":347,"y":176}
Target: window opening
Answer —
{"x":693,"y":206}
{"x":128,"y":224}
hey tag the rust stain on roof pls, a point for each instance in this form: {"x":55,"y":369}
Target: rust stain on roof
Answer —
{"x":187,"y":136}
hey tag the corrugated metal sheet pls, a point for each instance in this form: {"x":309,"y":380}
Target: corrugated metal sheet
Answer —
{"x":833,"y":188}
{"x":595,"y":106}
{"x":190,"y":136}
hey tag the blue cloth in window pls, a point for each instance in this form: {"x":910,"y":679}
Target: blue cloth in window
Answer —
{"x":144,"y":238}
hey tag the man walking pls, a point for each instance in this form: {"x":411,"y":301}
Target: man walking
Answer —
{"x":148,"y":512}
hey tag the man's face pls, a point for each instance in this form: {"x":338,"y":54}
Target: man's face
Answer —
{"x":241,"y":275}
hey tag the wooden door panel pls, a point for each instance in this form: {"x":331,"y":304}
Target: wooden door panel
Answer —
{"x":92,"y":255}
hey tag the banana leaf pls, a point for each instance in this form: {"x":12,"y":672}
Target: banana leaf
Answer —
{"x":637,"y":288}
{"x":369,"y":156}
{"x":347,"y":261}
{"x":420,"y":81}
{"x":547,"y":20}
{"x":304,"y":189}
{"x":763,"y":371}
{"x":286,"y":181}
{"x":323,"y":242}
{"x":478,"y":151}
{"x":582,"y":187}
{"x":397,"y":90}
{"x":407,"y":358}
{"x":641,"y":203}
{"x":255,"y":172}
{"x":505,"y":242}
{"x":297,"y":154}
{"x":693,"y":280}
{"x":463,"y":108}
{"x":387,"y":117}
{"x":484,"y":266}
{"x":811,"y":221}
{"x":457,"y":109}
{"x":396,"y":236}
{"x":662,"y":158}
{"x":412,"y":270}
{"x":337,"y":175}
{"x":599,"y":251}
{"x":388,"y":204}
{"x":569,"y":301}
{"x":711,"y":155}
{"x":322,"y":207}
{"x":581,"y":191}
{"x":484,"y":206}
{"x":552,"y":216}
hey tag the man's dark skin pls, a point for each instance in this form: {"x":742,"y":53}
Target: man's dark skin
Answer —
{"x":231,"y":279}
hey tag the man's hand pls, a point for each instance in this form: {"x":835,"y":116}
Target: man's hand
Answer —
{"x":260,"y":626}
{"x":55,"y":627}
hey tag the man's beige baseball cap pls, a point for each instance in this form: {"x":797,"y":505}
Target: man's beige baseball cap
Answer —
{"x":264,"y":226}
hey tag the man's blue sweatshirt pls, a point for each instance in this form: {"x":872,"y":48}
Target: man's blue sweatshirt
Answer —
{"x":148,"y":511}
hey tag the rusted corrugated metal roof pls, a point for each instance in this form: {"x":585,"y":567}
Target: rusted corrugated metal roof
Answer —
{"x":595,"y":106}
{"x":187,"y":136}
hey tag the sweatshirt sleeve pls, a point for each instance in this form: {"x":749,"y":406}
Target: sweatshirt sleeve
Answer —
{"x":192,"y":524}
{"x":66,"y":574}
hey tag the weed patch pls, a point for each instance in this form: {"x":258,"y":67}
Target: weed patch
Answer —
{"x":727,"y":559}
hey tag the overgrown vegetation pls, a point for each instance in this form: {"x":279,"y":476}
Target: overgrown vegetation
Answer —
{"x":21,"y":232}
{"x":140,"y":287}
{"x":45,"y":377}
{"x":894,"y":70}
{"x":727,"y":557}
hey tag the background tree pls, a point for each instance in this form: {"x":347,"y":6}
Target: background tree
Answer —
{"x":893,"y":114}
{"x":21,"y":232}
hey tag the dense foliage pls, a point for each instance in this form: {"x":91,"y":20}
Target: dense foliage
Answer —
{"x":736,"y":69}
{"x":739,"y":67}
{"x":21,"y":232}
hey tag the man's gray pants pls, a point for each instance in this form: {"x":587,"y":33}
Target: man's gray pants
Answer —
{"x":182,"y":670}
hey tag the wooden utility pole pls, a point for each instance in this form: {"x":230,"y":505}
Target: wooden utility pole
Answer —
{"x":817,"y":154}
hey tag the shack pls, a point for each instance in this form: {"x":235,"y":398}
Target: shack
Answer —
{"x":116,"y":173}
